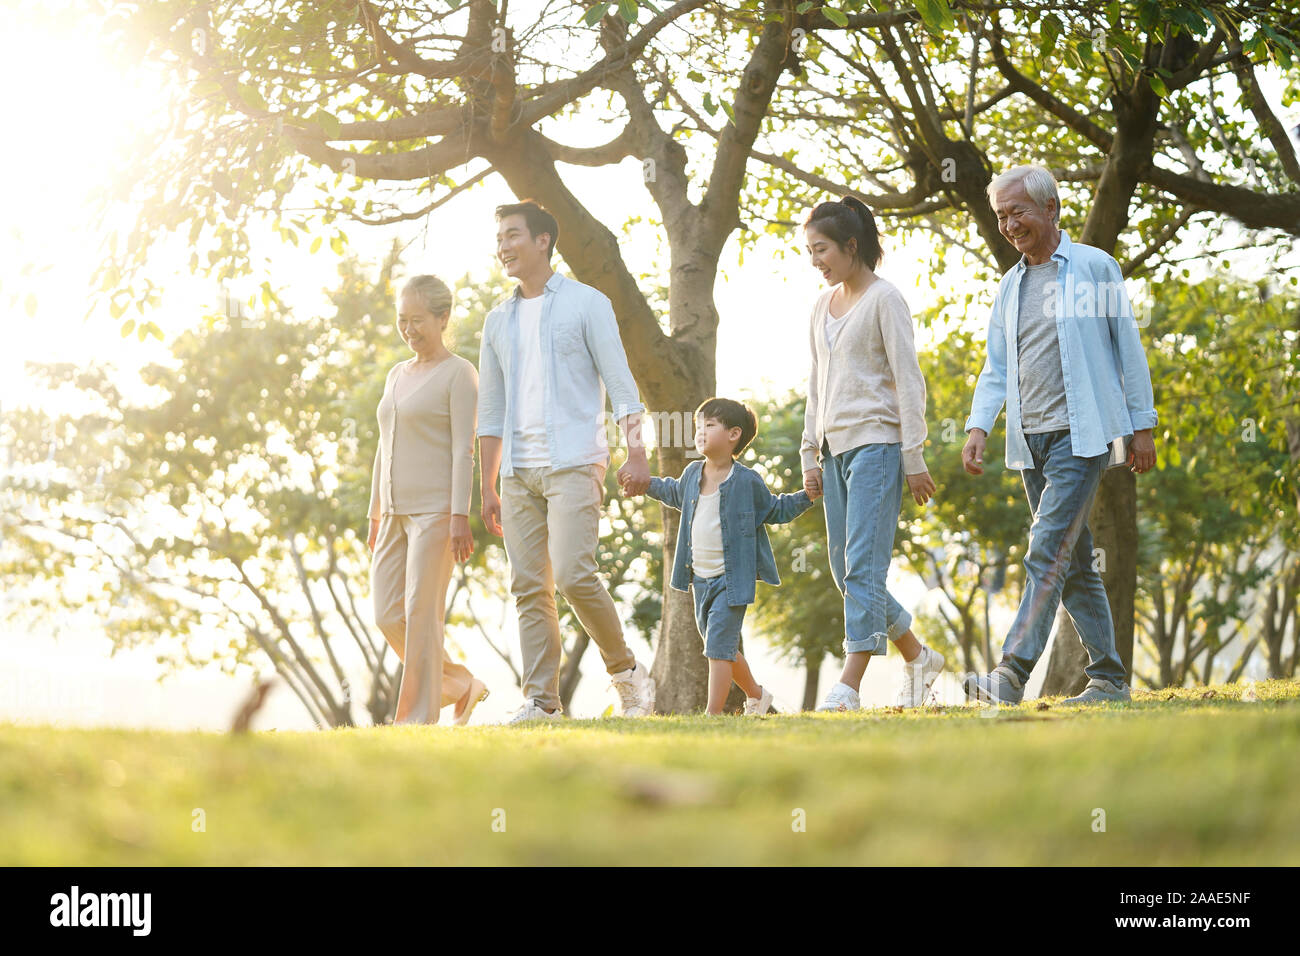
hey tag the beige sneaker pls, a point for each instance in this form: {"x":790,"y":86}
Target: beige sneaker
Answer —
{"x":531,"y":711}
{"x":919,"y":676}
{"x":758,"y":706}
{"x":636,"y":691}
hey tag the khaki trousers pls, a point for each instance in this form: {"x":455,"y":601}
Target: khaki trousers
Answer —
{"x":409,"y":575}
{"x":551,"y":522}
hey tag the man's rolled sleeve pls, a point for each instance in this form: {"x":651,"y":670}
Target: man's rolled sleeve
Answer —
{"x":1130,"y":357}
{"x":991,"y":387}
{"x":491,"y":389}
{"x":606,"y":348}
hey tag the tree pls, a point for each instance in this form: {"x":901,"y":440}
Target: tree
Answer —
{"x":804,"y":618}
{"x":443,"y":97}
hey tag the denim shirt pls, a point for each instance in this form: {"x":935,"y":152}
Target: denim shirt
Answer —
{"x":582,"y":355}
{"x":744,"y":508}
{"x":1107,"y":380}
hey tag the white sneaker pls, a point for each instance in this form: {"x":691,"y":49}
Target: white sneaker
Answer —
{"x":636,"y":691}
{"x":841,"y":697}
{"x":758,"y":706}
{"x":531,"y":711}
{"x":918,"y":677}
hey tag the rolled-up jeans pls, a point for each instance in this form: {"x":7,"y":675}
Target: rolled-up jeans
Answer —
{"x":1058,"y":562}
{"x":863,"y":490}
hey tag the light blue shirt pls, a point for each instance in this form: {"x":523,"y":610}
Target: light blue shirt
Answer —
{"x":1107,"y":380}
{"x":582,"y":355}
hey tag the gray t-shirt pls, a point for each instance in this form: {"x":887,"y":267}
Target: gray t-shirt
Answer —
{"x":1042,"y":387}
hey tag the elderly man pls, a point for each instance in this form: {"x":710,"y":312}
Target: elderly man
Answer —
{"x":1065,"y":358}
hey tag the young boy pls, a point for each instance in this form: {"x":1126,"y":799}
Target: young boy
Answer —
{"x":722,"y":544}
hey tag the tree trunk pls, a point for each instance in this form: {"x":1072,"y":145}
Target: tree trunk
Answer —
{"x":1065,"y":675}
{"x":571,"y":671}
{"x":680,"y":670}
{"x":812,"y":675}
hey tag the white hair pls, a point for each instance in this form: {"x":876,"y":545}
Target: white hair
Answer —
{"x":1040,"y":185}
{"x":431,"y":291}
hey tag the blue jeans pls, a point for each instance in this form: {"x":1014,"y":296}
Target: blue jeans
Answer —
{"x":718,"y":621}
{"x":1058,"y":562}
{"x":864,"y":495}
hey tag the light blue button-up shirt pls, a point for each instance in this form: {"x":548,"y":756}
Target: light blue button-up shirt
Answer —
{"x":582,"y":355}
{"x":1107,"y":380}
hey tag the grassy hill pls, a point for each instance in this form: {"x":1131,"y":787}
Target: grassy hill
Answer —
{"x":1183,"y":777}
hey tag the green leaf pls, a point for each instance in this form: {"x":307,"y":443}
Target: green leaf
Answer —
{"x":936,"y":14}
{"x":336,"y":243}
{"x":836,"y":17}
{"x":328,"y":123}
{"x":627,"y":9}
{"x":1049,"y":32}
{"x":1158,"y":85}
{"x":315,"y":244}
{"x":594,"y":13}
{"x":709,"y":106}
{"x":127,"y":326}
{"x":251,"y":96}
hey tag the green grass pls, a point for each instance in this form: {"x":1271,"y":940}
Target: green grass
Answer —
{"x":1184,"y":777}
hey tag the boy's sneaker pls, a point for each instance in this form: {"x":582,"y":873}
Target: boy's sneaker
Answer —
{"x":758,"y":706}
{"x":1000,"y":686}
{"x":531,"y":711}
{"x":1099,"y":691}
{"x":918,"y":677}
{"x":841,"y":697}
{"x":636,"y":691}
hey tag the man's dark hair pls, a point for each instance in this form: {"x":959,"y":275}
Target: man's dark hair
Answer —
{"x":537,"y":219}
{"x":848,"y":219}
{"x":732,"y":414}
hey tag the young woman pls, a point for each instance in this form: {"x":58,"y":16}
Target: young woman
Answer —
{"x":419,"y":504}
{"x":864,"y":431}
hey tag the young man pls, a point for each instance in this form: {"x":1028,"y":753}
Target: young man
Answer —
{"x":548,"y":354}
{"x":1065,"y":358}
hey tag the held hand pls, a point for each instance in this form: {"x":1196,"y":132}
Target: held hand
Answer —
{"x":462,"y":539}
{"x":812,"y":483}
{"x":972,"y":456}
{"x":491,"y":511}
{"x":1142,"y":451}
{"x":921,"y":485}
{"x":634,"y":476}
{"x":374,"y":534}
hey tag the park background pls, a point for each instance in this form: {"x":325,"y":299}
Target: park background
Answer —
{"x":202,"y":372}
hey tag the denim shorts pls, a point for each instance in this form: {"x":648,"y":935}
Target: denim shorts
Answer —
{"x":718,"y":621}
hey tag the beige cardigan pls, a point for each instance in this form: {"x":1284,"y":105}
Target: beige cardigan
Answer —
{"x":425,"y":459}
{"x":870,"y":390}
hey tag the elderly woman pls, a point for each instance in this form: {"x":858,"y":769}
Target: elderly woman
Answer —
{"x":419,"y":504}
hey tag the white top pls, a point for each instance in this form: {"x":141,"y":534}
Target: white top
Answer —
{"x":530,"y":449}
{"x":834,"y":323}
{"x":706,"y":535}
{"x":870,"y":389}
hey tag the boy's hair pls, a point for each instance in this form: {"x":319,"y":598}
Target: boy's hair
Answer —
{"x":732,"y":414}
{"x":536,"y":218}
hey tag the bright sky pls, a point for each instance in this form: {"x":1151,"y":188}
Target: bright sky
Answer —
{"x":72,"y":128}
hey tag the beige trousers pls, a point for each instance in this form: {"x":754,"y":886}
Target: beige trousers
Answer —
{"x":409,"y":575}
{"x":551,"y":522}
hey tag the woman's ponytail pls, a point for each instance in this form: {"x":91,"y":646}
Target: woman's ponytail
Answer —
{"x":849,"y":219}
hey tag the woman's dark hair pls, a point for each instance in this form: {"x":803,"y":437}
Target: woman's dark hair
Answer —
{"x":848,"y":219}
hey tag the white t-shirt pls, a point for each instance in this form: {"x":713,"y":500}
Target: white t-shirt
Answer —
{"x":529,"y":448}
{"x":706,"y":535}
{"x":834,"y":324}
